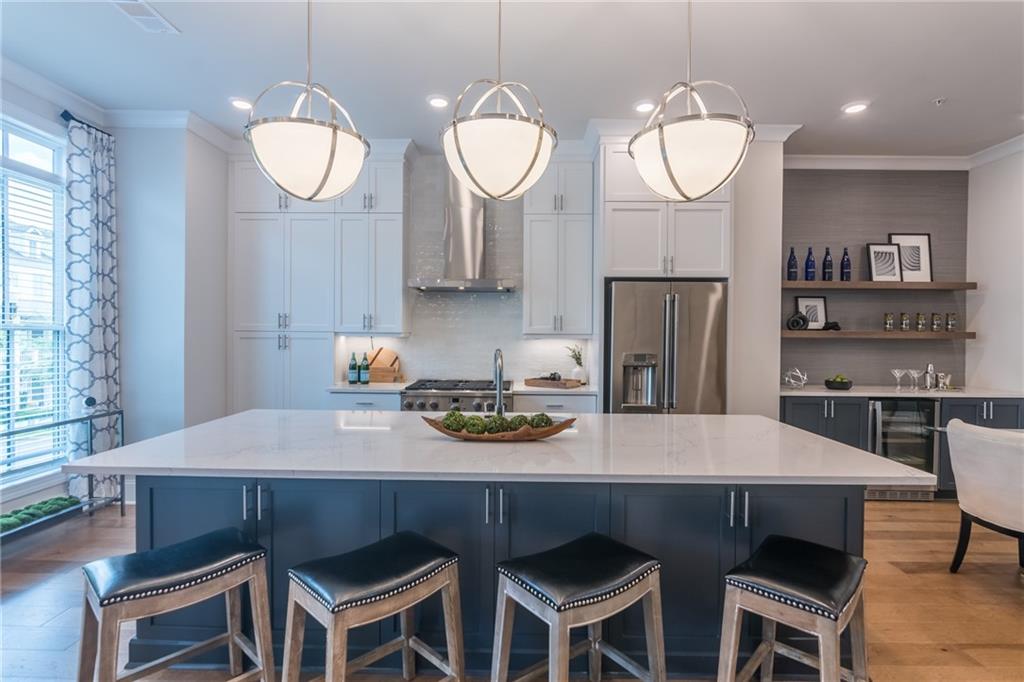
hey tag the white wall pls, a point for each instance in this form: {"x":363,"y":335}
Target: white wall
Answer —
{"x":995,"y":253}
{"x":755,"y":294}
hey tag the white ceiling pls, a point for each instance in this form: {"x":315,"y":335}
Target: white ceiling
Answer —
{"x":793,"y":62}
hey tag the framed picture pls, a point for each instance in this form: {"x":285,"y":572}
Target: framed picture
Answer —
{"x":884,"y":260}
{"x":813,"y":308}
{"x":915,"y":255}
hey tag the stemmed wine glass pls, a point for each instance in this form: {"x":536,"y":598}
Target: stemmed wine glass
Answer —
{"x":915,"y":374}
{"x":898,"y":373}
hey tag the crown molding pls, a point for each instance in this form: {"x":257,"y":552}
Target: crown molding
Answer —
{"x":211,"y":133}
{"x":895,"y":163}
{"x":998,"y":151}
{"x":616,"y":130}
{"x":774,"y":132}
{"x":42,"y":88}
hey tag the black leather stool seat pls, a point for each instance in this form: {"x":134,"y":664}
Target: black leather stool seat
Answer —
{"x":586,"y":570}
{"x":803,"y":574}
{"x":171,"y":568}
{"x":374,"y":572}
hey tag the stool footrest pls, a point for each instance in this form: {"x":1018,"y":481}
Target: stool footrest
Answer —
{"x":761,"y":653}
{"x":170,"y":659}
{"x":253,"y":674}
{"x":539,"y":667}
{"x":428,"y":652}
{"x":374,"y":655}
{"x":631,"y":666}
{"x":808,"y":659}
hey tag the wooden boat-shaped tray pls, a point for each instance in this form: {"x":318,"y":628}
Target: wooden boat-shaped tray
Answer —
{"x":524,"y":434}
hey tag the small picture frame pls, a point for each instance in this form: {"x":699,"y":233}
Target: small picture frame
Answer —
{"x":915,"y":255}
{"x":813,"y":308}
{"x":884,"y":260}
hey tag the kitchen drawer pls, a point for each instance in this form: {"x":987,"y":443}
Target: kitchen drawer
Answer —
{"x":365,"y":401}
{"x":555,"y":402}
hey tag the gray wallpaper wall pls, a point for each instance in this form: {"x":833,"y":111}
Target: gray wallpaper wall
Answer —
{"x":838,"y":208}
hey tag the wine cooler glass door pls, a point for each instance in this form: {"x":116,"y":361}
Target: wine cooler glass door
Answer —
{"x":906,"y":431}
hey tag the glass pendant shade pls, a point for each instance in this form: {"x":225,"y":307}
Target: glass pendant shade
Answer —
{"x":690,"y":156}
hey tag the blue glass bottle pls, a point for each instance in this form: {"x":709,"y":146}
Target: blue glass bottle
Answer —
{"x":845,"y":266}
{"x":809,"y":266}
{"x":826,"y":266}
{"x":793,"y":266}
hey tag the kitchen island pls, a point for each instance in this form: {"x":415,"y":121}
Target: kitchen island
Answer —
{"x":698,"y":492}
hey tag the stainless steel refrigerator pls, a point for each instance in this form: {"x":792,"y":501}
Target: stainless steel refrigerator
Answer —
{"x":665,"y":346}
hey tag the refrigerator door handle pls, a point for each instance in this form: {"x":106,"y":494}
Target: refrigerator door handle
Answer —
{"x":674,"y":341}
{"x":666,"y":349}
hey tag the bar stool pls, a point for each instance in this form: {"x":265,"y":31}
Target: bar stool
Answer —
{"x":806,"y":586}
{"x":582,"y":582}
{"x":156,"y":581}
{"x":374,"y":582}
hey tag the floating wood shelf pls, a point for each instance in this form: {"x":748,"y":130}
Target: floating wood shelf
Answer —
{"x":880,"y":335}
{"x":881,"y":286}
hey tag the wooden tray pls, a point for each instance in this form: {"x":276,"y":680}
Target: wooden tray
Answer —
{"x":524,"y":434}
{"x":548,"y":383}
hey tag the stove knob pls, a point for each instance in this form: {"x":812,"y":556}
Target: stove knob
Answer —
{"x":421,"y":404}
{"x":477,"y":406}
{"x":407,"y":405}
{"x":433,"y":405}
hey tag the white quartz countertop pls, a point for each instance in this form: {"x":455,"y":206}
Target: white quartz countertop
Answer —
{"x":891,"y":392}
{"x":599,"y":448}
{"x":586,"y":389}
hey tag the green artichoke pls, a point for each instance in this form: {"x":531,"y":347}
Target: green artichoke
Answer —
{"x":496,"y":424}
{"x":540,"y":420}
{"x":454,"y":421}
{"x":475,"y":424}
{"x":517,"y":422}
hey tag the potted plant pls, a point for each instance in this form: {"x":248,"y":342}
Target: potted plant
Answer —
{"x":579,"y":373}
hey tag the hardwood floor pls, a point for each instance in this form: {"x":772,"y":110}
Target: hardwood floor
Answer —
{"x":924,"y":624}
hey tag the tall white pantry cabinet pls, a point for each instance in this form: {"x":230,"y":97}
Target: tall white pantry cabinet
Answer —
{"x":300,"y":271}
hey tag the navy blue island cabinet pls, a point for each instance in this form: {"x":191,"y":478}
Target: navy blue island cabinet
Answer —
{"x":698,"y":531}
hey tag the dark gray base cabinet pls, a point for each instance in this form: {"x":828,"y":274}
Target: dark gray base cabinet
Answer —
{"x":997,"y":413}
{"x":841,"y":419}
{"x":697,"y":531}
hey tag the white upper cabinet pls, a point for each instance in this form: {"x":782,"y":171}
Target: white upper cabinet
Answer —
{"x":576,"y":274}
{"x":254,"y":193}
{"x":699,"y":240}
{"x":540,"y":274}
{"x":622,"y":182}
{"x":565,"y":187}
{"x":353,"y":273}
{"x":388,"y":290}
{"x":635,"y":239}
{"x":558,"y":276}
{"x":309,"y":287}
{"x":370,"y":275}
{"x":379,"y":189}
{"x":257,"y":369}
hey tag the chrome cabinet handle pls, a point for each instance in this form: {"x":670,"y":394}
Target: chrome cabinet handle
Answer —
{"x":279,"y":320}
{"x":554,"y":406}
{"x":732,"y":508}
{"x":364,"y":320}
{"x":555,"y":207}
{"x":285,"y":341}
{"x":671,"y":263}
{"x":984,"y":410}
{"x":487,"y":505}
{"x":365,"y":403}
{"x":245,"y":502}
{"x":279,"y":342}
{"x":369,"y":320}
{"x":554,"y":323}
{"x":501,"y":505}
{"x":746,"y":509}
{"x":287,"y":202}
{"x":279,"y":202}
{"x":287,"y":322}
{"x":364,"y":200}
{"x":561,"y":202}
{"x":259,"y":502}
{"x":832,"y":409}
{"x":825,"y":409}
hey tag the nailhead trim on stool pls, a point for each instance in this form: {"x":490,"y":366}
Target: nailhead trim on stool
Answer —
{"x":334,"y":608}
{"x":578,"y":602}
{"x":788,"y":601}
{"x":184,"y":585}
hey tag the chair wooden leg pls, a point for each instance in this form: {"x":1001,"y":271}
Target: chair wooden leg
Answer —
{"x":1020,"y":551}
{"x":558,"y":652}
{"x":233,"y":606}
{"x":106,"y":666}
{"x":962,"y":542}
{"x":655,"y":632}
{"x":88,"y":645}
{"x":594,"y":656}
{"x":858,"y":637}
{"x":451,"y":600}
{"x":294,"y":635}
{"x":828,"y":646}
{"x":732,"y":621}
{"x":260,"y":602}
{"x":768,"y":635}
{"x":405,"y":619}
{"x":337,"y":651}
{"x":504,"y":617}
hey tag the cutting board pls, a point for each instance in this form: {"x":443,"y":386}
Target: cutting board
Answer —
{"x":384,"y":366}
{"x":548,"y":383}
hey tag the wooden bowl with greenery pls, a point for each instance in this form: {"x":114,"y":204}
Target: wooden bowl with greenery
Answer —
{"x":495,"y":429}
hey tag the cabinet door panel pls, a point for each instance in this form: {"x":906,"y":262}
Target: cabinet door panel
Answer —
{"x":540,"y":274}
{"x":1005,"y":414}
{"x":576,"y":273}
{"x":848,"y":421}
{"x":635,"y":239}
{"x":257,"y":375}
{"x":623,"y":182}
{"x":253,"y":192}
{"x":699,"y":240}
{"x":295,"y":205}
{"x":965,"y":409}
{"x":387,"y":285}
{"x":310,"y":370}
{"x":258,"y":271}
{"x":542,"y":198}
{"x":805,"y":413}
{"x":356,"y":200}
{"x":353,"y":276}
{"x":310,"y":281}
{"x":576,"y":187}
{"x":386,"y":187}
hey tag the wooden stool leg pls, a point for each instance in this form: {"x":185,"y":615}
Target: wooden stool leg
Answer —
{"x":768,"y":635}
{"x":337,"y":650}
{"x":106,"y":666}
{"x":558,"y":651}
{"x":88,"y":645}
{"x":294,"y":635}
{"x":260,"y":602}
{"x":859,"y":640}
{"x":594,"y":656}
{"x":408,"y":655}
{"x":654,"y":629}
{"x":732,"y":621}
{"x":828,"y":646}
{"x":504,"y":617}
{"x":233,"y":605}
{"x":452,"y":602}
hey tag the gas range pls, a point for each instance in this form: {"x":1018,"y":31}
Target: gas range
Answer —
{"x":441,"y":395}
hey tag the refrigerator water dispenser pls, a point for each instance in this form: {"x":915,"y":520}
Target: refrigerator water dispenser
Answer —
{"x":638,"y":380}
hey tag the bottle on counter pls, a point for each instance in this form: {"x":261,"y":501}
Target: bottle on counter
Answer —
{"x":353,"y":370}
{"x":792,"y":266}
{"x":826,"y":266}
{"x":845,"y":266}
{"x":364,"y":370}
{"x":809,"y":265}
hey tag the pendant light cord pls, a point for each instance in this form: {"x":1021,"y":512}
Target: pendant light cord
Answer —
{"x":689,"y":55}
{"x":498,"y":99}
{"x":309,"y":58}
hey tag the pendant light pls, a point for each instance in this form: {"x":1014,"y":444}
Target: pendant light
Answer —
{"x":689,"y":156}
{"x":309,"y":157}
{"x":495,"y":154}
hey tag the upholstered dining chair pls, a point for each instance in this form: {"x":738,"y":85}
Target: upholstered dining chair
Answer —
{"x":988,"y":465}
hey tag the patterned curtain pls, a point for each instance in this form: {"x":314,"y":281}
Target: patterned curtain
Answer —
{"x":91,"y":347}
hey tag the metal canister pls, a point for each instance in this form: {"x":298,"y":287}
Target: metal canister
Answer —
{"x":936,"y":322}
{"x":922,"y":322}
{"x":889,"y":322}
{"x":904,"y":322}
{"x":951,"y":322}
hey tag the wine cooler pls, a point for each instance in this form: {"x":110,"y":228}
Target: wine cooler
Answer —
{"x":905,"y":430}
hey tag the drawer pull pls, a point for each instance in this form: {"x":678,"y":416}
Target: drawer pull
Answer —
{"x":554,"y":406}
{"x":365,"y":403}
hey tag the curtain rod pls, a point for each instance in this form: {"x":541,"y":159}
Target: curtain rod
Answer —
{"x":68,"y":116}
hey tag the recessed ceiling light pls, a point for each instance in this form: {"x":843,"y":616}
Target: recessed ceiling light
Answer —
{"x":645,"y":106}
{"x":855,"y":107}
{"x":437,"y":101}
{"x":241,"y":104}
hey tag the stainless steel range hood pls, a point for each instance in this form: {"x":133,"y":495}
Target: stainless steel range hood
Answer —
{"x":464,"y":263}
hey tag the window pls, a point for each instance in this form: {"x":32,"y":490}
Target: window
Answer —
{"x":31,"y":302}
